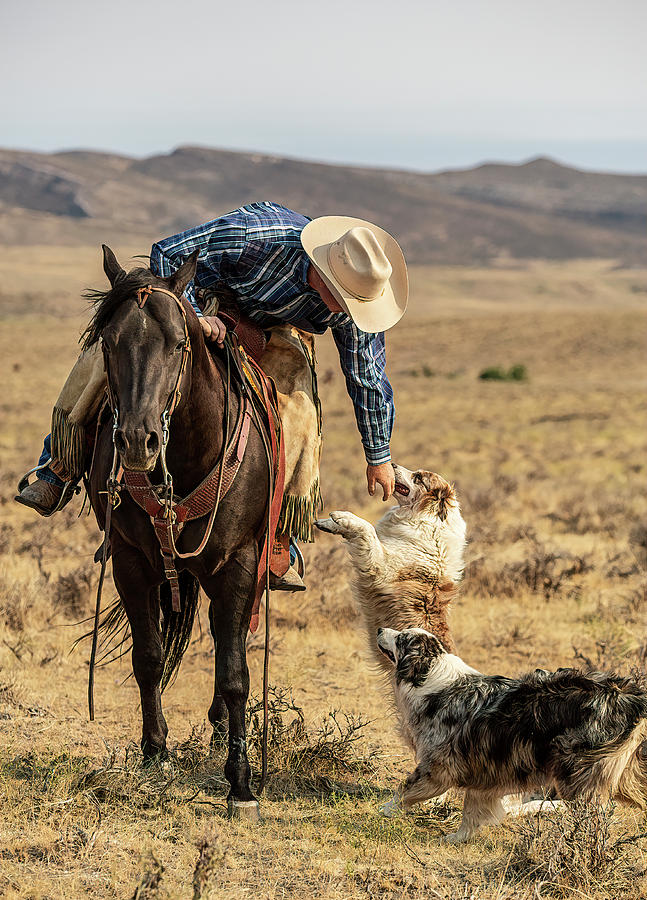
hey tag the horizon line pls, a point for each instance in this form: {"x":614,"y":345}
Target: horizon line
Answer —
{"x":525,"y":160}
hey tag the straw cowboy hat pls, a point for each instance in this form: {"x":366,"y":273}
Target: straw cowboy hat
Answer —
{"x":363,"y":267}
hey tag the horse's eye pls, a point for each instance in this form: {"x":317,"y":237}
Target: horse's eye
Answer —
{"x":180,"y":346}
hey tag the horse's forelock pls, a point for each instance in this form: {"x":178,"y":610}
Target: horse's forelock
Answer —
{"x":106,"y":303}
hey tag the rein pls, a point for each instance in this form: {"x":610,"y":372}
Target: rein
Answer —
{"x":168,"y":515}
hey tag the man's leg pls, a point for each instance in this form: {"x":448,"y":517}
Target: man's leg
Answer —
{"x":288,"y":359}
{"x":64,"y":448}
{"x":46,"y":473}
{"x":45,"y":494}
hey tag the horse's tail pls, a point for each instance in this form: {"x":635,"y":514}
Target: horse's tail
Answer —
{"x":177,"y":626}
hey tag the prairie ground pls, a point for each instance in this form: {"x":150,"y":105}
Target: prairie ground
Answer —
{"x":550,"y":472}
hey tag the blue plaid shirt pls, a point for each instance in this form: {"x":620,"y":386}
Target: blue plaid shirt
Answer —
{"x":256,"y":251}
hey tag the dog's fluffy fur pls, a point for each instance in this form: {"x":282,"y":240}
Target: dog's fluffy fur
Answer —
{"x":584,"y":735}
{"x":408,"y":566}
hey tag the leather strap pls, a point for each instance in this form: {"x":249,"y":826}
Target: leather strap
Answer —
{"x":267,"y":386}
{"x":200,"y":502}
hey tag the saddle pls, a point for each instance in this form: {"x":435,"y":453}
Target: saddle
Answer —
{"x":248,"y":333}
{"x":221,"y":301}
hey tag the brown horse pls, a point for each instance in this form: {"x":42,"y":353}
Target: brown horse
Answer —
{"x":144,"y":346}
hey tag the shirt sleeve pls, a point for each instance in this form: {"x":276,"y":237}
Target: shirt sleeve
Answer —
{"x":363,"y":361}
{"x":220,"y":244}
{"x":162,"y":266}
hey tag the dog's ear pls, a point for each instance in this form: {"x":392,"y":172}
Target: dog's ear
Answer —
{"x":445,"y":498}
{"x":416,"y":654}
{"x":440,"y":496}
{"x":445,"y":593}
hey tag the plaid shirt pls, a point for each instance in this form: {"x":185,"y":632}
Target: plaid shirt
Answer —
{"x":256,"y":251}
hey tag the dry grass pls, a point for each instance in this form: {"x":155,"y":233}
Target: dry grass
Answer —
{"x":551,"y":475}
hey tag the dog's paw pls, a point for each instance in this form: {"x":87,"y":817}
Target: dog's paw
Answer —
{"x":336,"y":523}
{"x":391,"y":807}
{"x":537,"y":807}
{"x":456,"y":838}
{"x":326,"y":525}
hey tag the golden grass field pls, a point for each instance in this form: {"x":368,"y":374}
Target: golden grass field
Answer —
{"x":551,"y":476}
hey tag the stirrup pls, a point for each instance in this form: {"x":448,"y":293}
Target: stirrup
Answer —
{"x":301,"y":565}
{"x":70,"y":488}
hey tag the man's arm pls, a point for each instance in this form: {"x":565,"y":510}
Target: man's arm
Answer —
{"x":220,"y":243}
{"x":363,"y":361}
{"x":164,"y":266}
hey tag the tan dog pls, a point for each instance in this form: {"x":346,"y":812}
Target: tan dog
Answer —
{"x":408,"y":566}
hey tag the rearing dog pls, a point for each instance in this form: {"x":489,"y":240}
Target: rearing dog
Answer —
{"x":408,"y":566}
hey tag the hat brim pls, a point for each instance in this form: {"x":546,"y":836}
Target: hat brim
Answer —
{"x":374,"y":315}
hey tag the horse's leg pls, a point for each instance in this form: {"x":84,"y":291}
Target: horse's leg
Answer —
{"x":218,"y":710}
{"x":231,"y":592}
{"x":137,"y":584}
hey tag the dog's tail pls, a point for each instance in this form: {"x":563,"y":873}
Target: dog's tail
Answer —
{"x":610,"y":758}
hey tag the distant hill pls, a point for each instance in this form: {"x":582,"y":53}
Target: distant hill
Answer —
{"x":488,"y":214}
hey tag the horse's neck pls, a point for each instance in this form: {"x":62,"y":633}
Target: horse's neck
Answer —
{"x":196,"y":431}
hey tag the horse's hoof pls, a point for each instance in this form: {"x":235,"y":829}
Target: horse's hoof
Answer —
{"x":248,"y":810}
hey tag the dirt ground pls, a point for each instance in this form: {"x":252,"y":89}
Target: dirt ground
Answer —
{"x":550,"y":472}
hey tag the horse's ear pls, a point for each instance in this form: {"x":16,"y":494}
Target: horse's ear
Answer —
{"x":110,"y":265}
{"x":182,"y":276}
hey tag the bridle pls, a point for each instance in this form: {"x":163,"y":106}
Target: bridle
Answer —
{"x":174,"y":397}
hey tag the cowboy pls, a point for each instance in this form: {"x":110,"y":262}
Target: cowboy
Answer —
{"x":286,"y":270}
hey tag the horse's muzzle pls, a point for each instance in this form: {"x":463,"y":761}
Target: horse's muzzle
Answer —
{"x":138,"y":448}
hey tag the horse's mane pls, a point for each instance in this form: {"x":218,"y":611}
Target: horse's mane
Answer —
{"x":106,"y":303}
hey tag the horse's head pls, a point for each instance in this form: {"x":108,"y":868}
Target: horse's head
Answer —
{"x":145,"y":342}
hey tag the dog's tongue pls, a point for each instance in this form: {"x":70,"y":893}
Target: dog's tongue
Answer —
{"x":401,"y":489}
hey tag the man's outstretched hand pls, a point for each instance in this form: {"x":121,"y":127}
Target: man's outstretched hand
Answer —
{"x":382,"y":475}
{"x":214,"y":329}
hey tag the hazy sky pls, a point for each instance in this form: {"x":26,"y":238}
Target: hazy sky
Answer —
{"x":410,"y":83}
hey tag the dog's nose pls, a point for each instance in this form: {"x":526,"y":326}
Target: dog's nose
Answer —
{"x":379,"y":631}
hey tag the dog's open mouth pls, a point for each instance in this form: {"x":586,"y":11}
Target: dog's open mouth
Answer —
{"x":386,"y":652}
{"x":401,"y":489}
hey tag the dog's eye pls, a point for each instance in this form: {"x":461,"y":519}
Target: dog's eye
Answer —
{"x":417,"y":479}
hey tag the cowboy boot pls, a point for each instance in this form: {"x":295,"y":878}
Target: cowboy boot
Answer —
{"x":44,"y":497}
{"x":290,"y":581}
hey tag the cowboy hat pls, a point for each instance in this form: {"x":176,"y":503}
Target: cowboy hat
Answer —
{"x":362,"y":266}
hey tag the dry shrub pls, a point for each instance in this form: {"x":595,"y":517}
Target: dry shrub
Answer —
{"x":585,"y":513}
{"x":313,"y":760}
{"x":541,"y":571}
{"x":72,"y":592}
{"x":6,"y":538}
{"x":123,"y":780}
{"x":150,"y":882}
{"x":638,"y":541}
{"x":580,"y":848}
{"x":611,"y":655}
{"x":329,"y":597}
{"x":211,"y":855}
{"x":21,"y":590}
{"x":486,"y":498}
